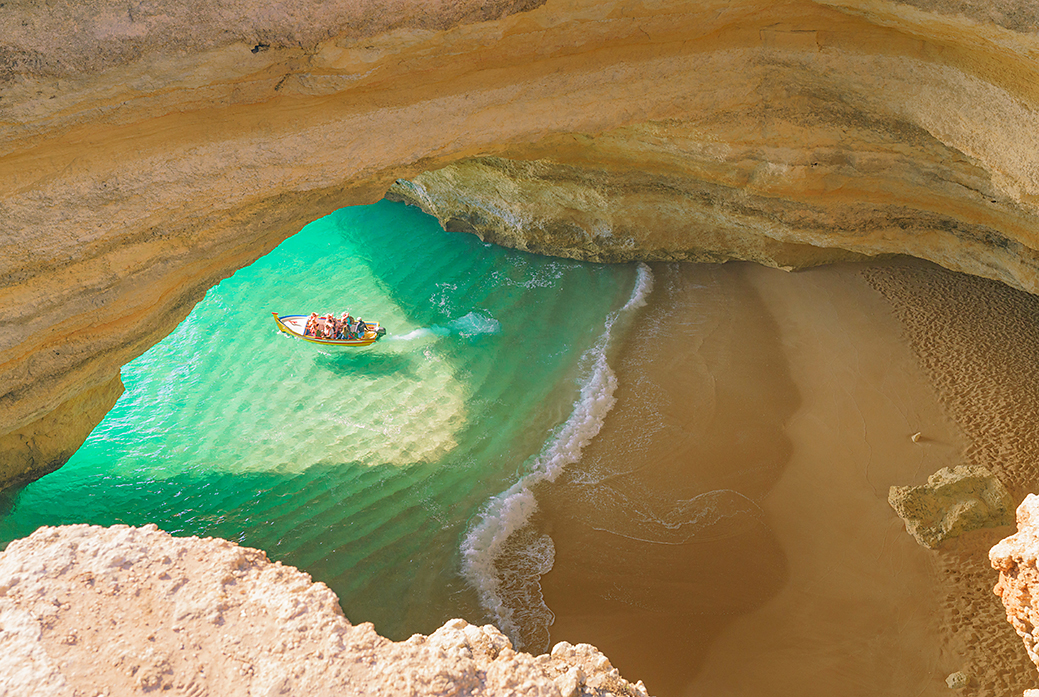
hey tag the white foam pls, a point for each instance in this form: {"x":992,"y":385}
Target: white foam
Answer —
{"x":688,"y":520}
{"x":510,"y":510}
{"x":468,"y":325}
{"x":475,"y":323}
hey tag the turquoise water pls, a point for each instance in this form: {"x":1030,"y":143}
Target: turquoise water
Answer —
{"x":390,"y":473}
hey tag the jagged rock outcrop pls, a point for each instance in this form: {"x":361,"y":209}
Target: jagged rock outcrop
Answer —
{"x":150,"y":149}
{"x":954,"y":501}
{"x":1017,"y":560}
{"x":124,"y":611}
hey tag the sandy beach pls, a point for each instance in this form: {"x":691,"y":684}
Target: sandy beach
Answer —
{"x":978,"y":342}
{"x":728,"y":532}
{"x":660,"y":518}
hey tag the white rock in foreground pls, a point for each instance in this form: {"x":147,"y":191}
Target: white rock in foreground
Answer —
{"x":87,"y":610}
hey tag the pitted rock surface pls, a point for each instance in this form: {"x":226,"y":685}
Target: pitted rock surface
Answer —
{"x":1017,"y":560}
{"x":126,"y":611}
{"x":954,"y":501}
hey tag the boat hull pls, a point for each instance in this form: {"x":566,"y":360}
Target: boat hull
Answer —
{"x":295,"y":324}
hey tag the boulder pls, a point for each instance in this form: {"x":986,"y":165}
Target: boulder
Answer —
{"x":955,"y":500}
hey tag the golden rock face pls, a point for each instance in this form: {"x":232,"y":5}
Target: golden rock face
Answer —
{"x":148,"y":154}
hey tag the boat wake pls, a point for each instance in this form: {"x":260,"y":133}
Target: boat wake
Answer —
{"x":471,"y":324}
{"x":506,"y":514}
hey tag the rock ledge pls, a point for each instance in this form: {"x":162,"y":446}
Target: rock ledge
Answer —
{"x":123,"y":611}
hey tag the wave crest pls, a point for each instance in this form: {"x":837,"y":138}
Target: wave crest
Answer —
{"x":507,"y":513}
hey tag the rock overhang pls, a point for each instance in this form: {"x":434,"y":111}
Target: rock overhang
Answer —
{"x":142,"y":165}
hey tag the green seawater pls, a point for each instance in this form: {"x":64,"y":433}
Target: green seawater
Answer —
{"x":367,"y":468}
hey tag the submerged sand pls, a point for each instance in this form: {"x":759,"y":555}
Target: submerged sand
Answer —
{"x":728,"y":532}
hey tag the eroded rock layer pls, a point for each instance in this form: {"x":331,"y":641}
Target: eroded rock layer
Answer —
{"x":123,"y":611}
{"x":150,"y":149}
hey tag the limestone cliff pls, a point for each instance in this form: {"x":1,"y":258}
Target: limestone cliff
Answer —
{"x":150,"y":149}
{"x":125,"y":611}
{"x":1017,"y":560}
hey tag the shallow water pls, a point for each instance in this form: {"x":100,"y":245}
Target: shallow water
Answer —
{"x":367,"y":468}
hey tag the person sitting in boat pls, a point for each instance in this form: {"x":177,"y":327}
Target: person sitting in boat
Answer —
{"x":311,"y":329}
{"x":351,"y":327}
{"x":344,"y":326}
{"x":330,"y":326}
{"x":361,"y":328}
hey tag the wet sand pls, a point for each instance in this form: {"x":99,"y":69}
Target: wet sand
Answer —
{"x":728,"y":532}
{"x":661,"y":515}
{"x":859,"y":614}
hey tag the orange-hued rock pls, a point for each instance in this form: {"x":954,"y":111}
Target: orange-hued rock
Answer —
{"x":1017,"y":560}
{"x":149,"y":150}
{"x":121,"y":611}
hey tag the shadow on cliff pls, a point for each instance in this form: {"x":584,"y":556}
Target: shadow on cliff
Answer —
{"x":8,"y":498}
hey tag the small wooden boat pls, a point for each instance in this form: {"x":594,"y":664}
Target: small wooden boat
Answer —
{"x":296,"y":324}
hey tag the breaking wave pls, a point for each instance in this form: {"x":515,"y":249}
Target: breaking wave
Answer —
{"x":508,"y":512}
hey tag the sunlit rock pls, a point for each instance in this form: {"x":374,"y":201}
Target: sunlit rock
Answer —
{"x":954,"y":501}
{"x":1016,"y":560}
{"x":120,"y":610}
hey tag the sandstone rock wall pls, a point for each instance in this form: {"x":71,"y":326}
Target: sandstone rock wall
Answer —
{"x":126,"y":611}
{"x":148,"y":150}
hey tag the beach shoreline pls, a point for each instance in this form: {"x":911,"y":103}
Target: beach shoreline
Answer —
{"x":808,"y":571}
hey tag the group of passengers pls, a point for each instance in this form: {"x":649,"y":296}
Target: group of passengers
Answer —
{"x":345,"y":328}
